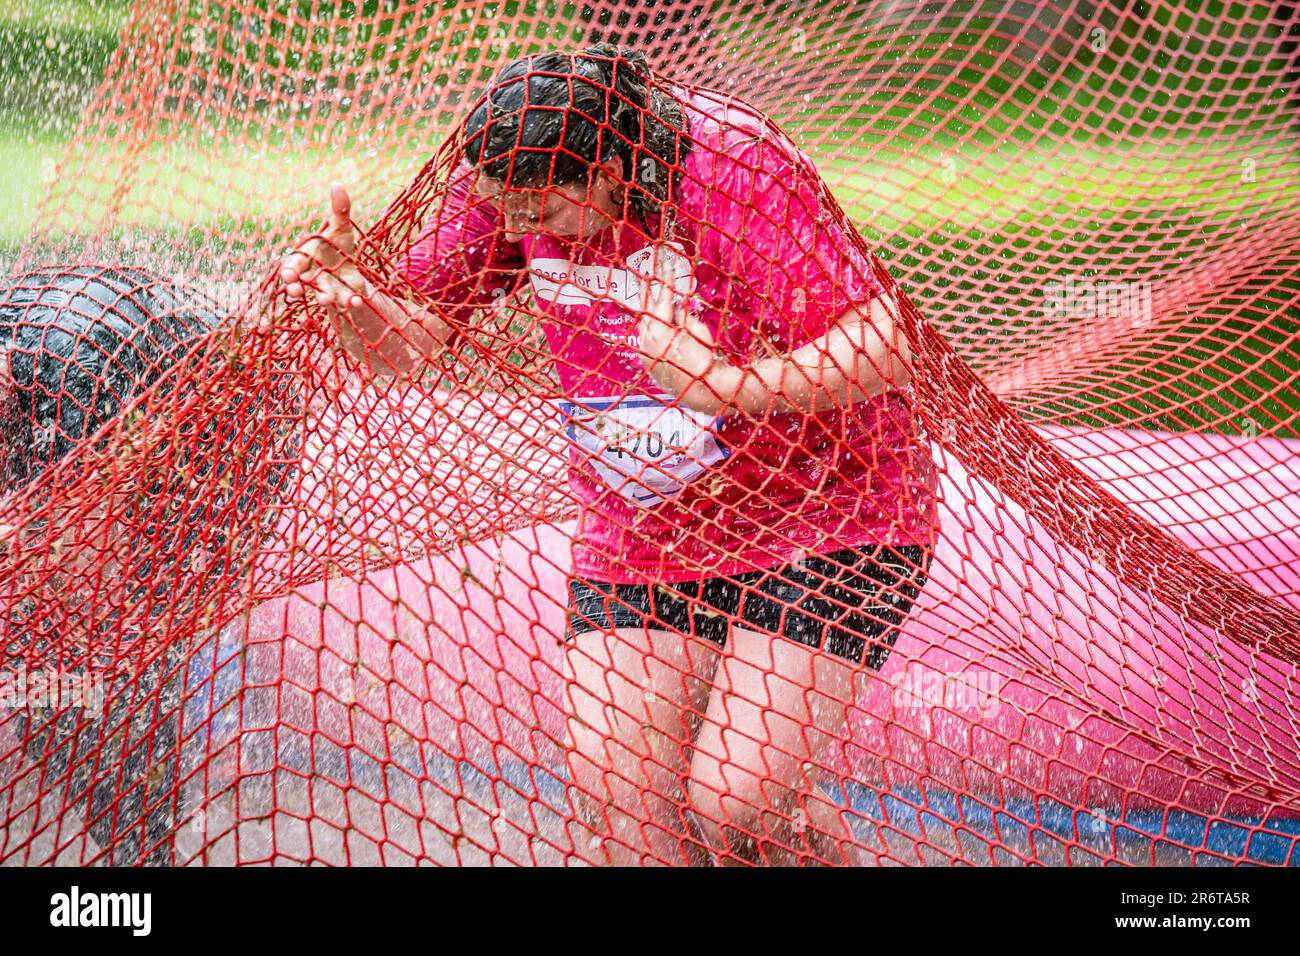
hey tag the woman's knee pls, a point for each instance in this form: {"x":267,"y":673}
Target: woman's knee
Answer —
{"x":749,"y":827}
{"x":742,"y":802}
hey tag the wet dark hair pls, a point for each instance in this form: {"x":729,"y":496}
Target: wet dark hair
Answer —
{"x":548,"y":118}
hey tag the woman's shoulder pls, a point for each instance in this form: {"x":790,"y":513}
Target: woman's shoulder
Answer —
{"x":721,"y":122}
{"x":731,"y":138}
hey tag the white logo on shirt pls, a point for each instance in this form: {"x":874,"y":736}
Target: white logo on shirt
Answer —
{"x":562,"y":282}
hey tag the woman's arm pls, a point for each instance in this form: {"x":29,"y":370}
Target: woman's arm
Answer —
{"x":775,"y":230}
{"x":460,"y":261}
{"x":861,"y":354}
{"x":389,"y":335}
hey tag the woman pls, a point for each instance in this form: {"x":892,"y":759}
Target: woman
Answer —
{"x":756,"y":511}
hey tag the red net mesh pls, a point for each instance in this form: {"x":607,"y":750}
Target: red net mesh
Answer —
{"x":895,"y":464}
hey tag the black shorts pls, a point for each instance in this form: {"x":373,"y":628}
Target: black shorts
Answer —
{"x":850,"y":602}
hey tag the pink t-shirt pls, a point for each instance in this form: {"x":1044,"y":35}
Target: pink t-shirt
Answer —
{"x":667,"y":494}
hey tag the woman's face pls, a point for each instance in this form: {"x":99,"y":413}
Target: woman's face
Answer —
{"x":571,"y":211}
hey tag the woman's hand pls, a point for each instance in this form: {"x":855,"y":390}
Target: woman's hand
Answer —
{"x":323,"y":267}
{"x":388,"y":336}
{"x":677,"y":349}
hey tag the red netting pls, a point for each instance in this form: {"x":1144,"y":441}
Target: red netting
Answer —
{"x":910,"y":442}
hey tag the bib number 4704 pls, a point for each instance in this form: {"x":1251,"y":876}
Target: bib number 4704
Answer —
{"x":644,"y":447}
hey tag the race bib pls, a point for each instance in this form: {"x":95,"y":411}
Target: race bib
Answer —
{"x":645,"y":448}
